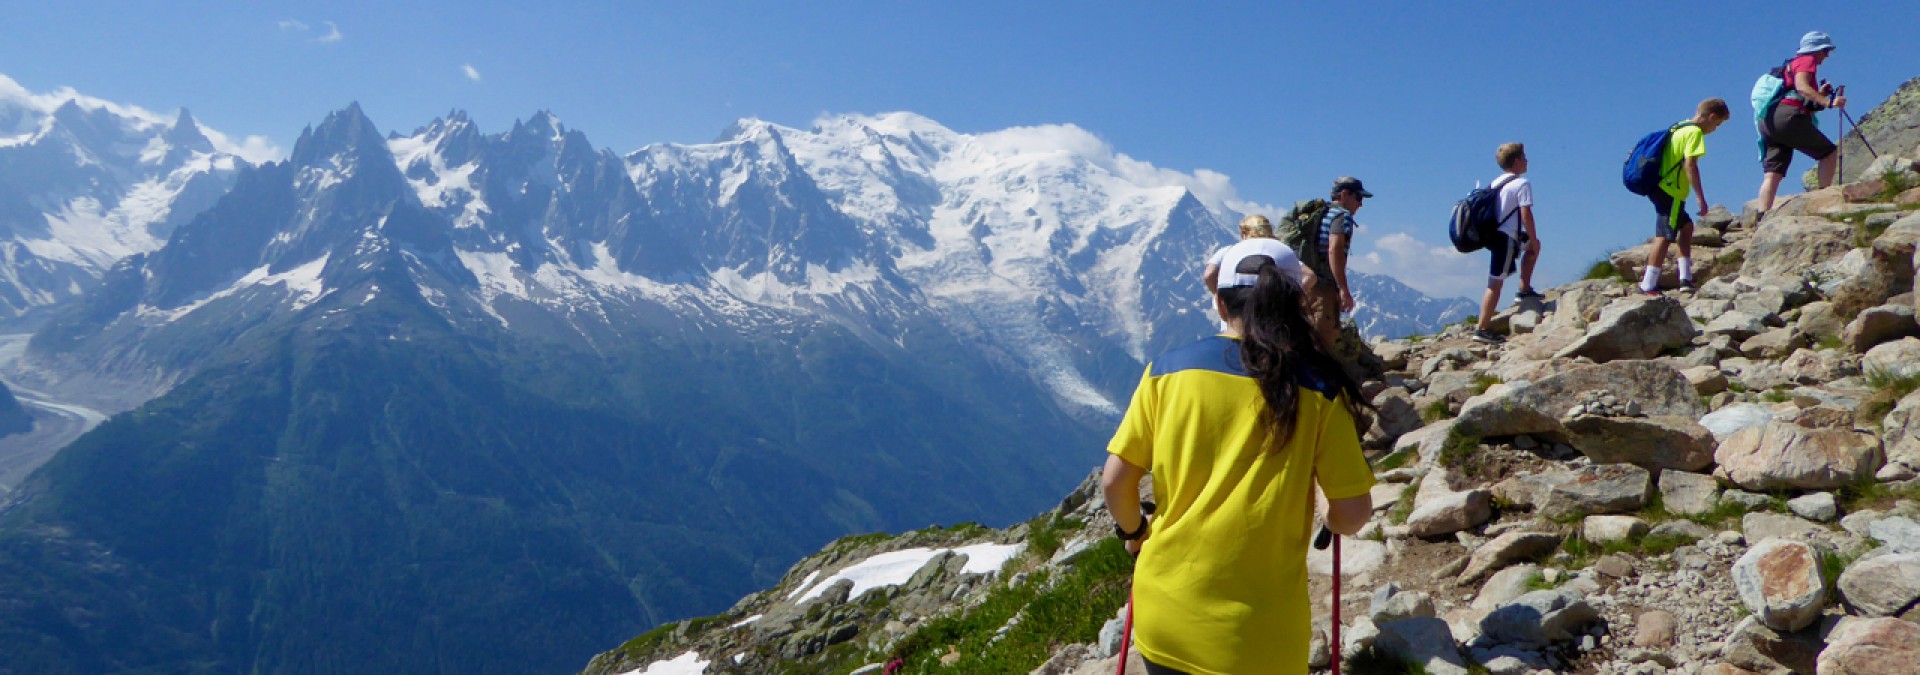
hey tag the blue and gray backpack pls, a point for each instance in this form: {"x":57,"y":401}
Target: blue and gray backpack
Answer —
{"x":1642,"y":172}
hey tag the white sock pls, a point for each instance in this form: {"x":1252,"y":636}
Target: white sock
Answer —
{"x":1686,"y":269}
{"x":1651,"y":280}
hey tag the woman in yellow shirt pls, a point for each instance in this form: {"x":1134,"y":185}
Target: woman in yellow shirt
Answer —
{"x":1237,"y":430}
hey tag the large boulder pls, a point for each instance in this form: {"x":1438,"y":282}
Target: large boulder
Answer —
{"x":1754,"y":648}
{"x":1709,"y":261}
{"x":1884,"y":585}
{"x":1637,"y":327}
{"x":1737,"y":325}
{"x":1879,"y":324}
{"x":1688,"y":494}
{"x":1605,"y":488}
{"x":1819,"y":320}
{"x":1655,"y":443}
{"x":1859,"y":280}
{"x":1900,"y":358}
{"x":1517,"y":408}
{"x":1780,"y":455}
{"x":1723,"y":423}
{"x":1539,"y":619}
{"x":1426,"y":641}
{"x":1779,"y":582}
{"x":1815,"y":366}
{"x":1896,"y":246}
{"x":1791,"y":245}
{"x":1506,"y":549}
{"x":1450,"y":513}
{"x":1871,"y":647}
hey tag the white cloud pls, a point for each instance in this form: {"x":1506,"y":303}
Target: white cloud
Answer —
{"x":297,"y":26}
{"x":1436,"y":270}
{"x":471,"y":73}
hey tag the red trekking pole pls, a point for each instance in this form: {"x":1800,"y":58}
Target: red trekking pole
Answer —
{"x":1321,"y":541}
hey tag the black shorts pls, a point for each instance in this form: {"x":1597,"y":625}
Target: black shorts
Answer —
{"x":1670,"y":215}
{"x":1506,"y":254}
{"x":1790,"y":128}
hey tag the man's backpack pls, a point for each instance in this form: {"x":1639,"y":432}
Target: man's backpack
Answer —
{"x":1642,"y":173}
{"x":1300,"y":230}
{"x":1477,"y":217}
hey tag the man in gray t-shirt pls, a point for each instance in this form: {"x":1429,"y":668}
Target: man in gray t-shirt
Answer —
{"x":1328,"y":295}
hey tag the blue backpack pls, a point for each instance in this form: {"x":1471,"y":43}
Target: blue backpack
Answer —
{"x":1477,"y":217}
{"x":1642,"y":172}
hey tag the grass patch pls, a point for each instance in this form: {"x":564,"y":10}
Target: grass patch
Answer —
{"x":1872,"y":495}
{"x":1733,"y":258}
{"x":1069,"y":610}
{"x":1458,"y":447}
{"x":1604,"y":269}
{"x":1435,"y":411}
{"x":1045,"y":534}
{"x":1401,"y":508}
{"x":1894,"y":182}
{"x":1393,"y":460}
{"x":1582,"y":553}
{"x":1538,"y":582}
{"x":1888,"y":388}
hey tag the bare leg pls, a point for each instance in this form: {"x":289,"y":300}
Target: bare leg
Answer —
{"x":1526,"y":265}
{"x":1768,"y":187}
{"x":1489,"y":301}
{"x":1654,"y":260}
{"x":1827,"y":167}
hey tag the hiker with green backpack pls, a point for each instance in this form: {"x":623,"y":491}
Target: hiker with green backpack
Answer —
{"x":1784,"y":103}
{"x":1321,"y":231}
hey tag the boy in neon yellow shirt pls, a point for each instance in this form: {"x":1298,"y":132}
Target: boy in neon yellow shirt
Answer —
{"x":1679,"y":176}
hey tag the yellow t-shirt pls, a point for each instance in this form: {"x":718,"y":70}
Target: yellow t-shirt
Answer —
{"x":1687,"y":142}
{"x":1221,"y":584}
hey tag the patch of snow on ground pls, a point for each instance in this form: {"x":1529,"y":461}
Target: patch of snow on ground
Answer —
{"x":804,"y":584}
{"x":689,"y":663}
{"x":896,"y":567}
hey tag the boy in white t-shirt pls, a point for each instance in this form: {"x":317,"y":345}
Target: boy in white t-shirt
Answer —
{"x":1517,"y":241}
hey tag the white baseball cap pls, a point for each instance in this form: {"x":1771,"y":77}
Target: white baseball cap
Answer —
{"x":1240,"y":265}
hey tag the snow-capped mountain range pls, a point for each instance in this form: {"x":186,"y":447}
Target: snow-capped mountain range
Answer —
{"x":1062,"y":258}
{"x":85,"y":183}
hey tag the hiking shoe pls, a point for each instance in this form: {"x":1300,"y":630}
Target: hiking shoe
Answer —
{"x":1528,"y":294}
{"x":1487,"y":337}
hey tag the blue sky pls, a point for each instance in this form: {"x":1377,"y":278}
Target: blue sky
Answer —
{"x":1280,"y":97}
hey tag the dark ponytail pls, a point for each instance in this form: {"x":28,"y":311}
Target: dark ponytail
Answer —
{"x":1279,"y":350}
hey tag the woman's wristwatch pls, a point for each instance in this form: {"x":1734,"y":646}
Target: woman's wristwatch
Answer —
{"x":1146,"y":509}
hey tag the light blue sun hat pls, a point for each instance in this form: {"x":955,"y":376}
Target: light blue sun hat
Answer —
{"x":1814,"y":41}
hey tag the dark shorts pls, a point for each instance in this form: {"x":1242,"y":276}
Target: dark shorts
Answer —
{"x":1506,"y":254}
{"x":1670,"y":216}
{"x":1791,"y":128}
{"x":1157,"y":669}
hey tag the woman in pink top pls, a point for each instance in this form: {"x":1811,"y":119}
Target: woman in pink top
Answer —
{"x":1791,"y":126}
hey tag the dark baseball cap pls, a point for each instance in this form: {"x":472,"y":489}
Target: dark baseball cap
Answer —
{"x":1351,"y":183}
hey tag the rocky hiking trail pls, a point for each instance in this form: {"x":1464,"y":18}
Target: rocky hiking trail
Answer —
{"x":1711,"y":482}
